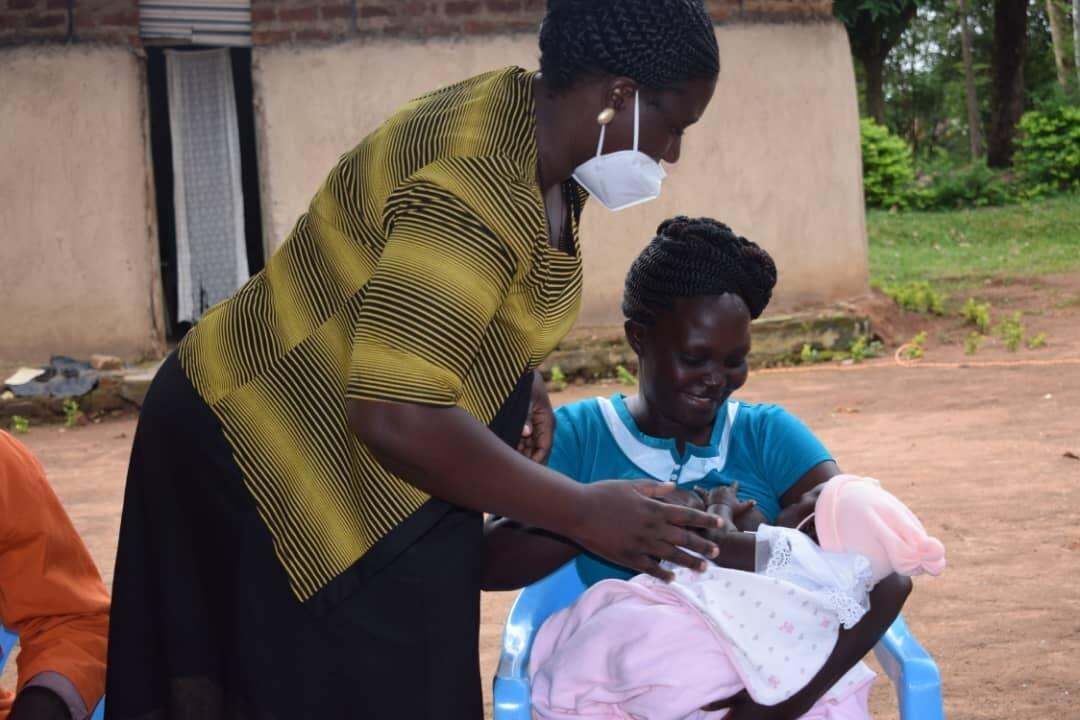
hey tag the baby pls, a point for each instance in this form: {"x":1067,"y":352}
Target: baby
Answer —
{"x":645,"y":649}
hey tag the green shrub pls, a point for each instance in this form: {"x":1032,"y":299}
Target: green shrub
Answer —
{"x":917,"y":296}
{"x":1037,"y":342}
{"x":978,"y":314}
{"x":862,"y":347}
{"x":19,"y":425}
{"x":1048,"y":154}
{"x":888,"y":173}
{"x":973,"y":342}
{"x":974,"y":185}
{"x":915,"y":347}
{"x":1011,"y":330}
{"x":625,"y":376}
{"x":72,"y":413}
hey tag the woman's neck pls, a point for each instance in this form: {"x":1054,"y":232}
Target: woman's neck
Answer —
{"x":557,"y":124}
{"x":654,"y":424}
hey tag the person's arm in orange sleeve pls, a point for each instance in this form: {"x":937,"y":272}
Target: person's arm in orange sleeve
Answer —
{"x":51,"y":594}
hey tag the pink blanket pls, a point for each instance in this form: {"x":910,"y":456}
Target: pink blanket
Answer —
{"x":641,"y":650}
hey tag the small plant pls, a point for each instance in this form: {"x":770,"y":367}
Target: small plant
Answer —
{"x":625,"y":376}
{"x":809,"y":354}
{"x":1037,"y":342}
{"x":978,"y":314}
{"x":917,"y":296}
{"x":973,"y":342}
{"x":558,"y":377}
{"x":19,"y":425}
{"x":1011,"y":331}
{"x":858,"y":349}
{"x":915,"y":347}
{"x":863,"y":347}
{"x":72,"y":414}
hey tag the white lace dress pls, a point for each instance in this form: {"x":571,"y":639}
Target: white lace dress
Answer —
{"x":783,"y":620}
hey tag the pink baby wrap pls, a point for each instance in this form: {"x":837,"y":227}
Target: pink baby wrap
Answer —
{"x":643,"y":650}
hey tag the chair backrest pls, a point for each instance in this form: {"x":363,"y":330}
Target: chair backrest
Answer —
{"x":8,"y":640}
{"x":530,"y":610}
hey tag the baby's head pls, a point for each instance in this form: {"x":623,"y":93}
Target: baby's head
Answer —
{"x":855,"y":514}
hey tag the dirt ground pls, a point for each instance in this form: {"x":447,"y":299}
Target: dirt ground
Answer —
{"x":984,"y":448}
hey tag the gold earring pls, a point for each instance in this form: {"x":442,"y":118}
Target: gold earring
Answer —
{"x":605,"y":116}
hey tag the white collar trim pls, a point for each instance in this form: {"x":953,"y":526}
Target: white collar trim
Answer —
{"x":659,"y":463}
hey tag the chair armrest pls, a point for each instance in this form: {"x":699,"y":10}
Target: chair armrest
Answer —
{"x":913,"y":672}
{"x":533,"y":606}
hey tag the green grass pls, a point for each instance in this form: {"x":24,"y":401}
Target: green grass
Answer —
{"x":963,"y":247}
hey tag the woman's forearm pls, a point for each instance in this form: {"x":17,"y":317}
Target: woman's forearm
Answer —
{"x":448,"y":454}
{"x":516,"y":555}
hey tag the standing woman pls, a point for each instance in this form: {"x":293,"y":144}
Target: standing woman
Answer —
{"x":302,"y":528}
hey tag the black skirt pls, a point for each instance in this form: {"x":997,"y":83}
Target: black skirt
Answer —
{"x":204,"y":625}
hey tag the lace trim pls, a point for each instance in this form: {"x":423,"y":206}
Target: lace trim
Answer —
{"x":849,"y":602}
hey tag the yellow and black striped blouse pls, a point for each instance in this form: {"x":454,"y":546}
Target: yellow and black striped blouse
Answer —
{"x":422,"y":272}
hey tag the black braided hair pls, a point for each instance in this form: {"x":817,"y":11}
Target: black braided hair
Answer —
{"x":696,"y":256}
{"x":655,"y":42}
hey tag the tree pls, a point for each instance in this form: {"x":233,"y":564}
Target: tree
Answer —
{"x":974,"y":139}
{"x":1076,"y":39}
{"x":1007,"y":73}
{"x":1057,"y":35}
{"x":874,"y":27}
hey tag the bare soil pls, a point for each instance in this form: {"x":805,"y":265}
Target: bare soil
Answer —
{"x":984,"y":448}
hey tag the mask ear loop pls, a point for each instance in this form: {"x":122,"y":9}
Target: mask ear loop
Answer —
{"x":600,"y":145}
{"x":637,"y":119}
{"x":805,"y":520}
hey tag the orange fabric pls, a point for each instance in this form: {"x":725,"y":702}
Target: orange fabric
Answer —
{"x":51,"y":593}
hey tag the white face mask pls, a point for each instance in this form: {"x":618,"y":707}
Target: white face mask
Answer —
{"x":621,"y":179}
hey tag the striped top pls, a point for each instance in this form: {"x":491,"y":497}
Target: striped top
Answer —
{"x":422,"y":272}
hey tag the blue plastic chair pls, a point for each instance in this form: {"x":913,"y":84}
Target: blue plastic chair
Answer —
{"x":912,"y":670}
{"x":8,"y":640}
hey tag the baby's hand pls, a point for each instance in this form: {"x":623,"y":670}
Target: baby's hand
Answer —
{"x":690,"y":498}
{"x":727,"y":496}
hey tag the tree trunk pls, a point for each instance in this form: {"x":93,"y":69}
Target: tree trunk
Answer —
{"x":974,"y":136}
{"x":874,"y":67}
{"x":1057,"y":39}
{"x":1007,"y":70}
{"x":1076,"y":39}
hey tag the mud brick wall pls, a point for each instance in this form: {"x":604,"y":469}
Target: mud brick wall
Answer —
{"x":113,"y":22}
{"x":298,"y":21}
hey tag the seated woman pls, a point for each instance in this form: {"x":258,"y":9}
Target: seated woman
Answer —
{"x":688,"y":302}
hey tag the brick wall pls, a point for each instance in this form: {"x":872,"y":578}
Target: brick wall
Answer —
{"x":277,"y":21}
{"x":108,"y":21}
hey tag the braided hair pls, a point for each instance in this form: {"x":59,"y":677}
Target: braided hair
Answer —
{"x":696,"y":256}
{"x":657,"y":43}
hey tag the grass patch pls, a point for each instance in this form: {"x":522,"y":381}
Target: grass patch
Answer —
{"x":959,"y":248}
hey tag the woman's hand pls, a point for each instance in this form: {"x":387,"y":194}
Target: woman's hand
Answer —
{"x":683,"y":497}
{"x":536,"y":436}
{"x":622,"y":521}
